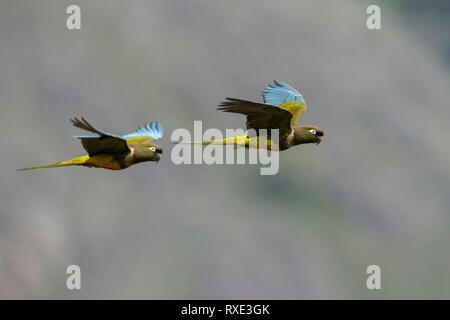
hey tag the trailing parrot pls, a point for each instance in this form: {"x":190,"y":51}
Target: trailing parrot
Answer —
{"x":282,"y":108}
{"x":113,"y":152}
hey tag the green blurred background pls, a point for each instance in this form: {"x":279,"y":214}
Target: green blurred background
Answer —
{"x":376,"y":191}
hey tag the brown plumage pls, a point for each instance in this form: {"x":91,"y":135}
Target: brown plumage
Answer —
{"x":264,"y":116}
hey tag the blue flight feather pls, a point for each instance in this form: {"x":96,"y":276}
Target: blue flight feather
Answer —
{"x":279,"y":92}
{"x":153,"y":130}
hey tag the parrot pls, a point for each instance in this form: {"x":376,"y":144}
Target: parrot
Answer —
{"x":113,"y":152}
{"x":282,"y":109}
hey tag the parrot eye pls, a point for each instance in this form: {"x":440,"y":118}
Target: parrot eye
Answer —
{"x":152,"y":149}
{"x":313,"y":131}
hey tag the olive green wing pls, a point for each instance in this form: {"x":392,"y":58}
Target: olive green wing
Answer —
{"x":295,"y":108}
{"x":259,"y":115}
{"x":104,"y":143}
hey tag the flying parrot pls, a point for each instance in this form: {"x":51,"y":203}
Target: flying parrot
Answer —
{"x":113,"y":152}
{"x":282,"y":108}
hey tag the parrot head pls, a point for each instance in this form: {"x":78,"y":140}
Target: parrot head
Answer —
{"x":147,"y":152}
{"x":307,"y":134}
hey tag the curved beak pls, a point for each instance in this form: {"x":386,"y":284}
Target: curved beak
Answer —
{"x":156,"y":158}
{"x":318,"y":140}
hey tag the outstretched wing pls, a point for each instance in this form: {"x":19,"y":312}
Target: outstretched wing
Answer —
{"x":103,"y":143}
{"x":146,"y":133}
{"x":283,"y":96}
{"x":259,"y":115}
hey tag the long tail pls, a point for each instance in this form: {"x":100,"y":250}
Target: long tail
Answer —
{"x":237,"y":141}
{"x":261,"y":142}
{"x":73,"y":162}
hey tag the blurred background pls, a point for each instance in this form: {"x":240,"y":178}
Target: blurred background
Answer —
{"x":375,"y":191}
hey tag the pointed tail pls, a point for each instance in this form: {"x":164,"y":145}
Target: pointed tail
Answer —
{"x":72,"y":162}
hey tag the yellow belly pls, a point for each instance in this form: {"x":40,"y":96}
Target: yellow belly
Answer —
{"x":103,"y":161}
{"x":263,"y":142}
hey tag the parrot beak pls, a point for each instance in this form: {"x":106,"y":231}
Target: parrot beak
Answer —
{"x":318,"y":140}
{"x":157,"y":158}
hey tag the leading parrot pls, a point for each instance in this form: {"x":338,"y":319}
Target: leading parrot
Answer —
{"x":282,"y":108}
{"x":113,"y":152}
